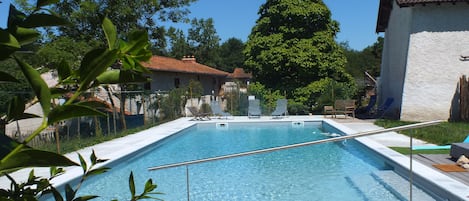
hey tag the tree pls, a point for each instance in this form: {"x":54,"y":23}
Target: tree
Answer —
{"x":368,"y":59}
{"x":292,"y":45}
{"x":179,"y":45}
{"x":204,"y":41}
{"x":231,"y":54}
{"x":126,"y":14}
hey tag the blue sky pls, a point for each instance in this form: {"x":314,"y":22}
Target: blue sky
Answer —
{"x":235,"y":18}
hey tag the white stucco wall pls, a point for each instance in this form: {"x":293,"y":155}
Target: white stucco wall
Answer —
{"x":394,"y":56}
{"x":439,"y":36}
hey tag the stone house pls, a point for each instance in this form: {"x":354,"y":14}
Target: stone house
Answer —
{"x":169,"y":73}
{"x":425,"y":44}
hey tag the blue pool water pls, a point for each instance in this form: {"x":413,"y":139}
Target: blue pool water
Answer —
{"x":332,"y":171}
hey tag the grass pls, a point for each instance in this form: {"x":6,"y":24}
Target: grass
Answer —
{"x":441,"y":134}
{"x":74,"y":144}
{"x":406,"y":151}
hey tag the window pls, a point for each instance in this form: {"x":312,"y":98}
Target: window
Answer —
{"x":177,"y":82}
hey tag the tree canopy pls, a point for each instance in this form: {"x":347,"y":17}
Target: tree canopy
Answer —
{"x":127,"y":15}
{"x":231,"y":54}
{"x":293,"y":45}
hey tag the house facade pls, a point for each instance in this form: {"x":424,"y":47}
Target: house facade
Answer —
{"x":422,"y":56}
{"x":169,"y":73}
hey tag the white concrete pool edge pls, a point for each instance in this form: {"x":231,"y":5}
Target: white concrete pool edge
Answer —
{"x":110,"y":150}
{"x":118,"y":148}
{"x":457,"y":189}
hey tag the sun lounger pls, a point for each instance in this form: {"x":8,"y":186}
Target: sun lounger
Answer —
{"x":380,"y":111}
{"x":431,"y":147}
{"x":280,"y":110}
{"x":458,"y":149}
{"x":254,"y":109}
{"x":199,"y":116}
{"x":434,"y":147}
{"x":217,"y":111}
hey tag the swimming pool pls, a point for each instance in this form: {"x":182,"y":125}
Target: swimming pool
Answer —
{"x":332,"y":171}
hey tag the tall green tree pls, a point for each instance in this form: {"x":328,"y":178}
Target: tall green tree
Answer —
{"x":204,"y":41}
{"x":179,"y":46}
{"x":126,"y":14}
{"x":293,"y":45}
{"x":231,"y":55}
{"x":368,"y":59}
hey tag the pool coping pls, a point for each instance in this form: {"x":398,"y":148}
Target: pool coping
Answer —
{"x":439,"y":184}
{"x":119,"y":148}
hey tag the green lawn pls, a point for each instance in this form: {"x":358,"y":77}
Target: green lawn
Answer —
{"x":441,"y":134}
{"x":406,"y":151}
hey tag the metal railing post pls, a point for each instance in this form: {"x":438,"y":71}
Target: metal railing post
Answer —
{"x":187,"y":182}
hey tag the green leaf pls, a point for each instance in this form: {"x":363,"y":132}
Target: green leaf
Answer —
{"x":149,"y":186}
{"x":55,"y":171}
{"x":38,"y":85}
{"x":5,"y":77}
{"x":8,"y":44}
{"x":93,"y":158}
{"x":58,"y":92}
{"x":42,"y":20}
{"x":132,"y":184}
{"x":57,"y":195}
{"x":6,"y":39}
{"x":111,"y":33}
{"x":41,"y":3}
{"x":97,"y":171}
{"x":137,"y":40}
{"x":118,"y":77}
{"x":82,"y":163}
{"x":7,"y":145}
{"x":94,"y":104}
{"x":94,"y":63}
{"x":14,"y":17}
{"x":15,"y":108}
{"x":35,"y":158}
{"x":64,"y":70}
{"x":25,"y":35}
{"x":69,"y":192}
{"x":86,"y":197}
{"x":64,"y":112}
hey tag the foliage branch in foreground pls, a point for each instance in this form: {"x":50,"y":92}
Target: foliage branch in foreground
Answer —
{"x":72,"y":84}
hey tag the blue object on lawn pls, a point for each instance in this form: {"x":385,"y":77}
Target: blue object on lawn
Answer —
{"x":431,"y":147}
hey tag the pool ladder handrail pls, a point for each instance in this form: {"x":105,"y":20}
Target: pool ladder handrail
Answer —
{"x":345,"y":137}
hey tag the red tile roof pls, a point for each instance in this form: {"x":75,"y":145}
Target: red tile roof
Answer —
{"x":385,"y":7}
{"x":186,"y":65}
{"x":239,"y":73}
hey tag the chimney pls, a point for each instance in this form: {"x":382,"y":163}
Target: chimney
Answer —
{"x":189,"y":59}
